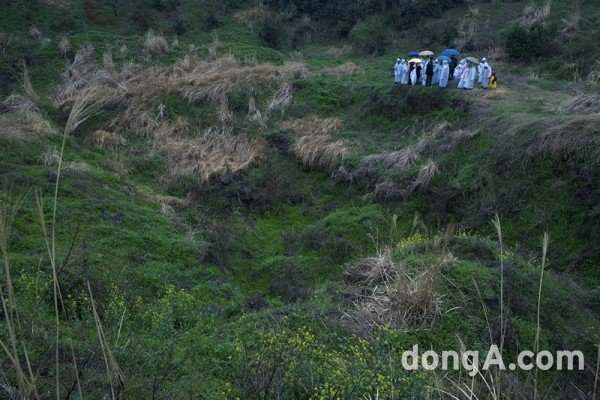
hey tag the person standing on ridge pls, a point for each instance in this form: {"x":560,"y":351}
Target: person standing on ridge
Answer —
{"x":444,"y":74}
{"x":484,"y":74}
{"x":452,"y":66}
{"x":429,"y":72}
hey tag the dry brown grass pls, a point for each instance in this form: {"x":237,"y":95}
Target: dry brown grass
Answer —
{"x":15,"y":103}
{"x":344,"y":69}
{"x":295,"y":70}
{"x":155,"y":44}
{"x":425,"y":175}
{"x":251,"y":16}
{"x":64,"y":46}
{"x":25,"y":126}
{"x":312,"y":125}
{"x":281,"y":100}
{"x":211,"y":81}
{"x":213,"y":50}
{"x":391,"y":296}
{"x":577,"y":135}
{"x":100,"y":139}
{"x":255,"y":115}
{"x":396,"y":161}
{"x":314,"y":145}
{"x":533,"y":15}
{"x":162,"y":199}
{"x":211,"y":155}
{"x":468,"y":28}
{"x":583,"y":103}
{"x":338,"y":52}
{"x":320,"y":152}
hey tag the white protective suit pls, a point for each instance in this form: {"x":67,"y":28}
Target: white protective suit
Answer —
{"x":470,"y":77}
{"x":397,"y":71}
{"x":464,"y":74}
{"x":459,"y":69}
{"x":484,"y":74}
{"x":413,"y":76}
{"x":437,"y":67}
{"x":404,"y":78}
{"x":423,"y":74}
{"x":444,"y":74}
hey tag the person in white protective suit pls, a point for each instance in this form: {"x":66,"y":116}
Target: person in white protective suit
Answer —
{"x":444,"y":74}
{"x":397,"y":71}
{"x":437,"y":67}
{"x":484,"y":74}
{"x":463,"y":68}
{"x":405,"y":76}
{"x":470,"y":81}
{"x":459,"y":70}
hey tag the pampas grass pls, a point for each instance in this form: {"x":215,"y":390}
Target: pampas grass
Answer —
{"x":15,"y":103}
{"x":101,"y":139}
{"x":320,"y":151}
{"x":583,"y":103}
{"x":344,"y":69}
{"x":312,"y":125}
{"x":211,"y":155}
{"x":393,"y":297}
{"x":155,"y":44}
{"x":24,"y":126}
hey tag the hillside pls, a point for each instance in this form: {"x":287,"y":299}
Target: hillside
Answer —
{"x":207,"y":199}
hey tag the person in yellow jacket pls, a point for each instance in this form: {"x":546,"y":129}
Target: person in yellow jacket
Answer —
{"x":493,"y":82}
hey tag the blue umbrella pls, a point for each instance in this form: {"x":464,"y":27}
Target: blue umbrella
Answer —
{"x":414,"y":53}
{"x":444,"y":58}
{"x":450,"y":52}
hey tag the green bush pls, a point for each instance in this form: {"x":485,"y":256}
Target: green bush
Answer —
{"x":272,"y":32}
{"x":524,"y":44}
{"x":371,"y":35}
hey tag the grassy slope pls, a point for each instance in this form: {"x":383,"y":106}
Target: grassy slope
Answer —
{"x":188,"y":294}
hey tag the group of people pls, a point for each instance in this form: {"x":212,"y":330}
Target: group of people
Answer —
{"x":432,"y":71}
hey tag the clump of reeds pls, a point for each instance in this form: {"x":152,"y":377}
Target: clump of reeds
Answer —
{"x":312,"y":125}
{"x":344,"y":69}
{"x":15,"y":103}
{"x":338,"y":52}
{"x":467,"y":30}
{"x":282,"y":99}
{"x":24,"y":126}
{"x":533,"y":15}
{"x":155,"y":44}
{"x":583,"y":103}
{"x":295,"y":69}
{"x":320,"y":151}
{"x":101,"y":139}
{"x":64,"y":46}
{"x":425,"y":175}
{"x":252,"y":16}
{"x":391,"y":296}
{"x":212,"y":155}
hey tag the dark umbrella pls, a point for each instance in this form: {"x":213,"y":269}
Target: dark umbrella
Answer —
{"x":414,"y":53}
{"x":450,"y":52}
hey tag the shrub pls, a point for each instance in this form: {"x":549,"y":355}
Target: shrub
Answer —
{"x":525,"y":43}
{"x":371,"y":35}
{"x":272,"y":32}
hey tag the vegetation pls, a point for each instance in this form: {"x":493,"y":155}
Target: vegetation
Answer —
{"x":205,"y":199}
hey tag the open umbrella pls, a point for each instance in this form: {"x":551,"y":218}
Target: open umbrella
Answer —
{"x":444,"y":58}
{"x":473,"y":60}
{"x":425,"y":53}
{"x":450,"y":52}
{"x":415,"y":60}
{"x":414,"y":53}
